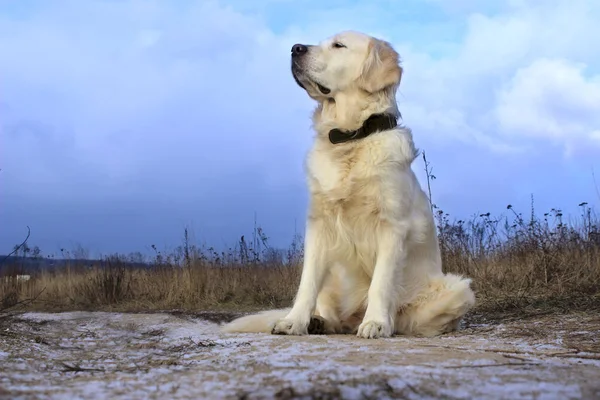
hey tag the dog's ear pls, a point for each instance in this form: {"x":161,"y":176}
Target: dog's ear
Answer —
{"x":381,"y":68}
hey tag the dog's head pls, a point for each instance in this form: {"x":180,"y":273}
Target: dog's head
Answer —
{"x":348,"y":61}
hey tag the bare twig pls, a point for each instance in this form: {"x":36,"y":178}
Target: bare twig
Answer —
{"x":582,"y":356}
{"x":509,"y":353}
{"x":516,"y":357}
{"x":203,"y":343}
{"x":493,"y":365}
{"x":17,"y":247}
{"x":502,"y":351}
{"x":560,"y":353}
{"x":21,"y":303}
{"x":77,"y":368}
{"x":430,"y":176}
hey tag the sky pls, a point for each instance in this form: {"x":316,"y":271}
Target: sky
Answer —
{"x":124,"y":122}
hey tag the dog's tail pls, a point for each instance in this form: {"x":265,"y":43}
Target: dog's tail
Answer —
{"x":262,"y":322}
{"x":439,"y":309}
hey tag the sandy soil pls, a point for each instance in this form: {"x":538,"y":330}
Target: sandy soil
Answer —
{"x":84,"y":355}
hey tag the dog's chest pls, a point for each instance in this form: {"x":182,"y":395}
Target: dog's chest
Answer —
{"x":346,"y":198}
{"x":335,"y":174}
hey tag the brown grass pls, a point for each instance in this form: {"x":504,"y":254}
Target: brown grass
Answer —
{"x":517,"y":264}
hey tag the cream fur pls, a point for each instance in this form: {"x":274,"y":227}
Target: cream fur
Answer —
{"x":372,"y":261}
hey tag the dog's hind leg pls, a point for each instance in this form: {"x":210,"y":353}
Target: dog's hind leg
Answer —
{"x":327,"y":310}
{"x":439,"y":309}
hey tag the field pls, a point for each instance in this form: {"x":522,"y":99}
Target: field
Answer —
{"x":120,"y":330}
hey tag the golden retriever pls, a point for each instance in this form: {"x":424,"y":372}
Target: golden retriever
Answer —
{"x":372,"y":262}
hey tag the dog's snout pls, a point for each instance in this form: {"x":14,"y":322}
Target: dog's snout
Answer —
{"x":299,"y":49}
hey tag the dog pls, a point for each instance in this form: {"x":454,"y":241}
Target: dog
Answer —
{"x":372,"y":263}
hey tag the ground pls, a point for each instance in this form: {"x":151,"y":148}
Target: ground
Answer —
{"x":100,"y":355}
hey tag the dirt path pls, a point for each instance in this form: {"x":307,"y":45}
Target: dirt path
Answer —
{"x":82,"y":355}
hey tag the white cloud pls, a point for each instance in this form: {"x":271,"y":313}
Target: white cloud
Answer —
{"x":550,"y":99}
{"x":526,"y":52}
{"x":143,"y":89}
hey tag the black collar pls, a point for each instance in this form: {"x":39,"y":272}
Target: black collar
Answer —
{"x":375,"y":123}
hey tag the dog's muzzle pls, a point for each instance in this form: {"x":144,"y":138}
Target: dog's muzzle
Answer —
{"x":298,"y":51}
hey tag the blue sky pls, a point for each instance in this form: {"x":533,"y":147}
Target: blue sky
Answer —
{"x":122,"y":122}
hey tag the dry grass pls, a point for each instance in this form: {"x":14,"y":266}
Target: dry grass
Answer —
{"x":517,"y":264}
{"x":161,"y":287}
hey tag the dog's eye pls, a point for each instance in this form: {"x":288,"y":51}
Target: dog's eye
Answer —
{"x":338,"y":45}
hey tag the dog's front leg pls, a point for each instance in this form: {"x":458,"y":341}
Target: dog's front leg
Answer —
{"x":313,"y":273}
{"x":383,"y":296}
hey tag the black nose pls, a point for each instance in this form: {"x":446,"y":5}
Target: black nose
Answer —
{"x":299,"y":49}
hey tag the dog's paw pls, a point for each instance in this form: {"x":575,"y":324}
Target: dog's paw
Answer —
{"x":374,"y":330}
{"x":317,"y":326}
{"x":290,"y":327}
